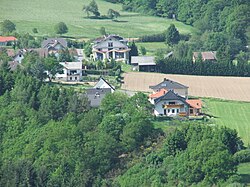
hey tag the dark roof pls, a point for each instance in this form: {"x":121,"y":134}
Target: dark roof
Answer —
{"x":12,"y":65}
{"x":168,"y":84}
{"x":170,"y":95}
{"x":42,"y":52}
{"x":95,"y":95}
{"x":117,"y":37}
{"x":53,"y":41}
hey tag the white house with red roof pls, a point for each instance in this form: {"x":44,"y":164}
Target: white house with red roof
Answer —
{"x":5,"y":40}
{"x":170,"y":99}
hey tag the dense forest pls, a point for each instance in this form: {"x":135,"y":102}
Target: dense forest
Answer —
{"x":49,"y":136}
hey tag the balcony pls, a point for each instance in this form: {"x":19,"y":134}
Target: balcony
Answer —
{"x":173,"y":106}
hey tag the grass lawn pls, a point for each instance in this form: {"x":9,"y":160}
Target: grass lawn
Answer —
{"x":44,"y":14}
{"x":244,"y":171}
{"x":151,"y":47}
{"x":232,"y":114}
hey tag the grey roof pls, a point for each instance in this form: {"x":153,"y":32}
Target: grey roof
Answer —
{"x":12,"y":65}
{"x":100,"y":39}
{"x":53,"y":41}
{"x":168,"y":84}
{"x":143,"y":60}
{"x":170,"y":95}
{"x":111,"y":86}
{"x":96,"y":95}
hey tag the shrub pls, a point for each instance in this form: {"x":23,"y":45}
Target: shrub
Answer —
{"x":242,"y":156}
{"x":153,"y":38}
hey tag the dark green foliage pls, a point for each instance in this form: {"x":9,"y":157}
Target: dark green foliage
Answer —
{"x":65,"y":56}
{"x":113,"y":14}
{"x":242,"y":156}
{"x":153,"y":38}
{"x":103,"y":31}
{"x":91,"y":8}
{"x":34,"y":30}
{"x":7,"y":27}
{"x":172,"y":35}
{"x":61,"y":28}
{"x":143,"y":50}
{"x":134,"y":50}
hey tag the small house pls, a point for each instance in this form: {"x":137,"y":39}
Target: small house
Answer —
{"x":208,"y":56}
{"x":143,"y":63}
{"x":7,"y":40}
{"x":102,"y":83}
{"x":72,"y":71}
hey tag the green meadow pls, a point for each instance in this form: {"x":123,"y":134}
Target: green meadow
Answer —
{"x":44,"y":14}
{"x":232,"y":114}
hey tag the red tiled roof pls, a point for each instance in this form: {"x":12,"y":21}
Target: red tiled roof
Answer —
{"x":7,"y":38}
{"x":158,"y":94}
{"x":195,"y":103}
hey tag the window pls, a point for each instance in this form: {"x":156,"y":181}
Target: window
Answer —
{"x":173,"y":111}
{"x":168,"y":110}
{"x":177,"y":111}
{"x":165,"y":112}
{"x":110,"y":44}
{"x":70,"y":78}
{"x":172,"y":103}
{"x":191,"y":111}
{"x":75,"y":78}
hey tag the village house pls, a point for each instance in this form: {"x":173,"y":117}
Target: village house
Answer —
{"x":171,"y":100}
{"x":208,"y":56}
{"x":102,"y":83}
{"x":143,"y":63}
{"x":7,"y":40}
{"x":96,"y":95}
{"x":167,"y":84}
{"x":19,"y":56}
{"x":54,"y":45}
{"x":111,"y":47}
{"x":72,"y":71}
{"x":12,"y":65}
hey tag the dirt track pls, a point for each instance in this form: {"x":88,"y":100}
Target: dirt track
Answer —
{"x":230,"y":88}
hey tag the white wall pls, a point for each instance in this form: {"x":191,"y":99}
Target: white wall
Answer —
{"x":160,"y":111}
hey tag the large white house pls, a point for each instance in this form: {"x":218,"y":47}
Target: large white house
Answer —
{"x":111,"y":47}
{"x":72,"y":71}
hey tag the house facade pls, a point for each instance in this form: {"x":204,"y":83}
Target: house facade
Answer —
{"x":54,"y":45}
{"x":102,"y":83}
{"x":170,"y":104}
{"x":72,"y":72}
{"x":171,"y":99}
{"x":111,"y":47}
{"x":7,"y":40}
{"x":143,"y":63}
{"x":167,"y":84}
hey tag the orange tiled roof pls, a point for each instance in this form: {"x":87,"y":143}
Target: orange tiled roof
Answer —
{"x":158,"y":94}
{"x":194,"y":103}
{"x":7,"y":38}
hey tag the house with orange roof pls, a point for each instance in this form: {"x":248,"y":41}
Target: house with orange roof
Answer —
{"x":170,"y":99}
{"x":7,"y":40}
{"x":195,"y":106}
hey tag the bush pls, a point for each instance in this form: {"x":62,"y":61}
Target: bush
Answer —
{"x":242,"y":156}
{"x":153,"y":38}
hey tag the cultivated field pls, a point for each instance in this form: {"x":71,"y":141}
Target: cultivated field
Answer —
{"x":232,"y":114}
{"x":229,"y":88}
{"x":44,"y":14}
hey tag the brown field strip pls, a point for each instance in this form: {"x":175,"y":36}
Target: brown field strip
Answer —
{"x":230,"y":88}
